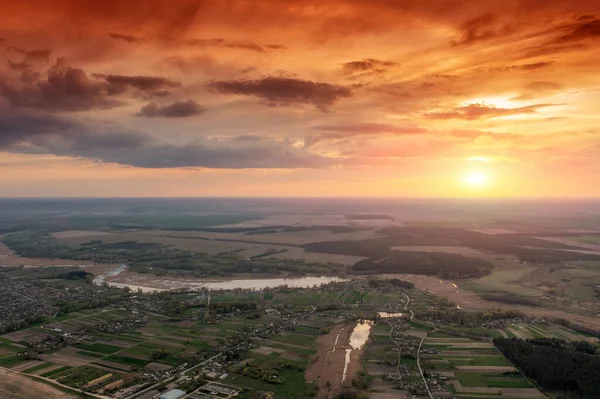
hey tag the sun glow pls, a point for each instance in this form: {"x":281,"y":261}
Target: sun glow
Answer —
{"x":476,"y":179}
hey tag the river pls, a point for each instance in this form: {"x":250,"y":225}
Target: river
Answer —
{"x":149,"y":283}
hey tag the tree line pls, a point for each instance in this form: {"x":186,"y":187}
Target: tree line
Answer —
{"x":556,"y":366}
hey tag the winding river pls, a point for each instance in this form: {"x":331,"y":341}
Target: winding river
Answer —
{"x":196,"y":283}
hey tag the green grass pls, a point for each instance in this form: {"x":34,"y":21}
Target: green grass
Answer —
{"x":11,"y":361}
{"x":490,"y":380}
{"x":90,"y":354}
{"x":100,"y":348}
{"x":408,"y":361}
{"x":295,"y":339}
{"x":56,"y":372}
{"x":419,"y":327}
{"x":127,"y":360}
{"x":8,"y":345}
{"x":479,"y":361}
{"x":81,"y":375}
{"x":38,"y":367}
{"x":355,"y":297}
{"x":308,"y":330}
{"x":297,"y":351}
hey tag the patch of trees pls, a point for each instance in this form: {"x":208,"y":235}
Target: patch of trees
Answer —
{"x":510,"y":299}
{"x":525,"y":246}
{"x":75,"y":275}
{"x":457,"y":317}
{"x":131,"y":245}
{"x":362,"y":380}
{"x":561,"y":369}
{"x":394,"y":282}
{"x":571,"y":346}
{"x":426,"y":263}
{"x":579,"y":328}
{"x":259,"y":232}
{"x":230,"y":307}
{"x":351,"y":394}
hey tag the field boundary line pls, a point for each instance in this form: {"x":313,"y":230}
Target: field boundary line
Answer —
{"x":519,"y":370}
{"x":54,"y":382}
{"x":419,"y":362}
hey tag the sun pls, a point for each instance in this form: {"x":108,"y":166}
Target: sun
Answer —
{"x":476,"y":178}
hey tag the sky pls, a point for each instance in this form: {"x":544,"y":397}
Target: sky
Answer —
{"x":411,"y":98}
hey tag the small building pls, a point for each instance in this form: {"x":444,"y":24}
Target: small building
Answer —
{"x":172,"y":394}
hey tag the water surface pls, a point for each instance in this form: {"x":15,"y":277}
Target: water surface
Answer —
{"x":358,"y":339}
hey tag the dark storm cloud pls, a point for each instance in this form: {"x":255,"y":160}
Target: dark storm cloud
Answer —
{"x":34,"y":132}
{"x":178,"y":109}
{"x":118,"y":84}
{"x":235,"y":44}
{"x":65,"y":89}
{"x":16,"y":127}
{"x":32,"y":55}
{"x":70,"y":89}
{"x":275,"y":154}
{"x":366,"y":65}
{"x":282,"y":91}
{"x":482,"y":111}
{"x":127,"y":38}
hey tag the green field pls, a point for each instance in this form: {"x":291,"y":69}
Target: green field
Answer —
{"x":56,"y":372}
{"x":474,"y":364}
{"x":100,"y":348}
{"x":81,"y":375}
{"x":491,"y":380}
{"x":38,"y":367}
{"x":11,"y":361}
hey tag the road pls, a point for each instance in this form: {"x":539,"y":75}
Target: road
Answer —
{"x":412,"y":318}
{"x":419,"y":363}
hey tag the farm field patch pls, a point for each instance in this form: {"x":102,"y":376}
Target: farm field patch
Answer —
{"x":473,"y":367}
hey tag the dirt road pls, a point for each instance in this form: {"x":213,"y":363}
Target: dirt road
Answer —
{"x":15,"y":386}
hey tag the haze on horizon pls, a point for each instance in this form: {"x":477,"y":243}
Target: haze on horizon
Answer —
{"x":443,"y":98}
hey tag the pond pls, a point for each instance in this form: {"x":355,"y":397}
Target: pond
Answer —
{"x":358,"y":339}
{"x":386,"y":315}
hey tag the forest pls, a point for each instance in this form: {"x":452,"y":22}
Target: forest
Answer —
{"x":566,"y":368}
{"x":525,"y":246}
{"x":426,"y":263}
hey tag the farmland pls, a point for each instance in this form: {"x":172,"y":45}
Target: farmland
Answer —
{"x":467,"y":367}
{"x":218,"y":322}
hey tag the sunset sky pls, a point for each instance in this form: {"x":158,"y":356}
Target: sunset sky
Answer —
{"x":437,"y":98}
